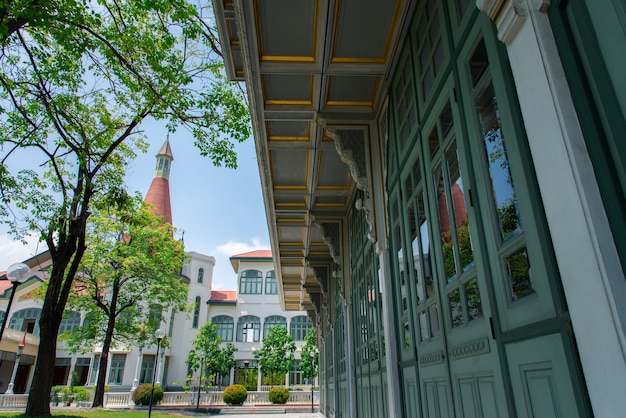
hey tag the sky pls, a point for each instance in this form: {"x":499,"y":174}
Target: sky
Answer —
{"x":220,"y":210}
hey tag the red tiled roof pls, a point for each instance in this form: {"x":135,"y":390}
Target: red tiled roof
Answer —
{"x":254,"y":254}
{"x":159,"y":196}
{"x":166,"y":149}
{"x":223,"y":296}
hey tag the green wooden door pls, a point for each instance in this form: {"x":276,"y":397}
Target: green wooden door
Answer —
{"x":480,"y":310}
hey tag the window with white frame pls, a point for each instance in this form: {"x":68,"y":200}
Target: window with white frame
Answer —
{"x":248,"y":328}
{"x":147,"y":368}
{"x":200,"y":275}
{"x":299,"y":327}
{"x":196,"y":313}
{"x":270,"y":283}
{"x":251,"y":282}
{"x":69,"y":322}
{"x":273,"y":320}
{"x":116,"y":374}
{"x":225,"y":327}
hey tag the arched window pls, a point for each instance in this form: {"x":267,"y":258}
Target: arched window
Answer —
{"x":270,"y":283}
{"x":299,"y":327}
{"x":200,"y":275}
{"x":248,"y":328}
{"x":155,"y":315}
{"x":225,"y":327}
{"x":26,"y":320}
{"x":273,"y":320}
{"x":69,"y":322}
{"x":251,"y":282}
{"x":196,"y":313}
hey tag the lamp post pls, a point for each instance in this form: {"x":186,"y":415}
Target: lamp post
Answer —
{"x":20,"y":348}
{"x":17,"y":274}
{"x":199,"y":384}
{"x":312,"y":354}
{"x":159,"y":336}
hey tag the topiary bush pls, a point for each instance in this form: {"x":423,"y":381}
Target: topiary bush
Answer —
{"x":278,"y":395}
{"x":81,"y":394}
{"x":235,"y":394}
{"x":141,"y":395}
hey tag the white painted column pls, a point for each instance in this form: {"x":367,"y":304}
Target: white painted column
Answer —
{"x":386,"y":289}
{"x":592,"y":277}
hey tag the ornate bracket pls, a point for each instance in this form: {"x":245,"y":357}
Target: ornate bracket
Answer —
{"x":508,"y":15}
{"x":364,"y":205}
{"x":350,"y":145}
{"x":330,"y":235}
{"x":321,"y":276}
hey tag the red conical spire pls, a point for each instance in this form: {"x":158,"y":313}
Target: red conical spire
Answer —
{"x":159,"y":193}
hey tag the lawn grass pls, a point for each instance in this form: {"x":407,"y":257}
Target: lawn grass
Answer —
{"x":100,"y":413}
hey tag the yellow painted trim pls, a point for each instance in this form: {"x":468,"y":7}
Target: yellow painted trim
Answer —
{"x":330,"y":205}
{"x":335,"y":187}
{"x":275,"y":58}
{"x":295,"y":58}
{"x":287,"y":138}
{"x":289,"y":187}
{"x":290,"y":220}
{"x":379,"y":60}
{"x":290,"y":205}
{"x":340,"y":103}
{"x":357,"y":60}
{"x":289,"y":102}
{"x":369,"y":103}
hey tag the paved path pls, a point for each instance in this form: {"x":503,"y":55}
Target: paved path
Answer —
{"x":287,"y":415}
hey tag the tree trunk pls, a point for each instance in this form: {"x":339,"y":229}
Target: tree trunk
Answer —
{"x":98,"y":398}
{"x":39,"y":398}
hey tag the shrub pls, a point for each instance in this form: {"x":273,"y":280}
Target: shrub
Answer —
{"x":141,"y":395}
{"x":81,"y":394}
{"x":278,"y":395}
{"x":235,"y":394}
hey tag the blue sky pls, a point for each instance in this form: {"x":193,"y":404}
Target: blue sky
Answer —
{"x":220,"y":210}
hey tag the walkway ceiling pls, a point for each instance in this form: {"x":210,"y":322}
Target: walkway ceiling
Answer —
{"x":308,"y":65}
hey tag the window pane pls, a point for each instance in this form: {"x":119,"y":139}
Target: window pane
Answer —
{"x":474,"y":305}
{"x":520,"y":275}
{"x":464,"y":245}
{"x":501,"y":180}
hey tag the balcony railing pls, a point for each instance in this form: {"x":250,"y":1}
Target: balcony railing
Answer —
{"x":123,"y":399}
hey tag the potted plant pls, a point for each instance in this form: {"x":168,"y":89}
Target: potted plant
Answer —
{"x":235,"y":395}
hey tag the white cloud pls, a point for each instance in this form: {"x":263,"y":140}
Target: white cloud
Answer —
{"x":12,"y":251}
{"x":233,"y":247}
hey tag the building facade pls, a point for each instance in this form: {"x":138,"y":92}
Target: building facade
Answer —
{"x":445,"y":187}
{"x":244,"y":317}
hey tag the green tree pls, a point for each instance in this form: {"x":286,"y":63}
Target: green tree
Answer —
{"x":208,"y":349}
{"x":309,"y":359}
{"x":128,"y":274}
{"x":276,"y":355}
{"x":77,"y":80}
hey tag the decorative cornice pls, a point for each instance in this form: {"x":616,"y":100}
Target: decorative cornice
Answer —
{"x":469,"y":349}
{"x":350,"y":144}
{"x":431,"y":359}
{"x":508,"y":15}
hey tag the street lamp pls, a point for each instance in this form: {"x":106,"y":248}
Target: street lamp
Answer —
{"x":20,"y":348}
{"x":199,"y":384}
{"x":159,"y":336}
{"x":17,"y":274}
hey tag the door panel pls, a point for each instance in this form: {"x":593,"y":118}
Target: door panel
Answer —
{"x":541,"y":378}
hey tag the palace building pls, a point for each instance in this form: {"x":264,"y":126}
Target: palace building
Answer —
{"x":445,"y":186}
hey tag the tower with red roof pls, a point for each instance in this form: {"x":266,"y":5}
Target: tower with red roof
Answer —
{"x":159,"y":191}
